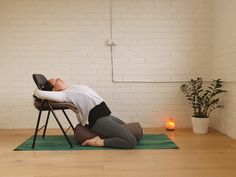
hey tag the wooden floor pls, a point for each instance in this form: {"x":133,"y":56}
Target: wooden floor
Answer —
{"x":212,"y":155}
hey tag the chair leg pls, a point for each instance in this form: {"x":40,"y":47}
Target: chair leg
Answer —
{"x":63,"y":131}
{"x":36,"y":129}
{"x":46,"y":124}
{"x":68,"y":120}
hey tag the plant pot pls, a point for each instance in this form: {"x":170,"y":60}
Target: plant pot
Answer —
{"x":200,"y":125}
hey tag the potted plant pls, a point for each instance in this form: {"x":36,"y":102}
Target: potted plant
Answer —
{"x":203,"y":101}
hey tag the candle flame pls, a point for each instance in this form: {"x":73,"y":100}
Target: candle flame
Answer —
{"x":170,"y":124}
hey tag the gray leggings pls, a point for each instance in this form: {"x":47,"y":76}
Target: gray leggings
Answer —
{"x":115,"y":135}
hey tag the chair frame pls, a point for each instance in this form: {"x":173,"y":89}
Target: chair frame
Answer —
{"x":50,"y":109}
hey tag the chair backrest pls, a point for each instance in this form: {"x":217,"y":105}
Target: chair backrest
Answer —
{"x":40,"y":80}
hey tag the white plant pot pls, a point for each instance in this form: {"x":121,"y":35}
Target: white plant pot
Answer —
{"x":200,"y":125}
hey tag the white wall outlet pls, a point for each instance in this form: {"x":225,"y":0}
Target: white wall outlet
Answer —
{"x":138,"y":116}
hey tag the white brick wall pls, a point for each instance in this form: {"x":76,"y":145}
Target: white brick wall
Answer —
{"x":225,"y":119}
{"x":58,"y":38}
{"x":66,"y":38}
{"x":224,"y":62}
{"x":225,"y":40}
{"x":160,"y":40}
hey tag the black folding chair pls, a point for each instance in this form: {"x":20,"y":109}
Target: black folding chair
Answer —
{"x":50,"y":106}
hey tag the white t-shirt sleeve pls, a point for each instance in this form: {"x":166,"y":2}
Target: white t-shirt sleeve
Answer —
{"x":50,"y":95}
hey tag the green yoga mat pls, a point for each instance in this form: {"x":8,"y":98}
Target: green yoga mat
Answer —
{"x":58,"y":142}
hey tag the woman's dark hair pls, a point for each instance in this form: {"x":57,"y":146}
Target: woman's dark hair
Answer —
{"x":48,"y":86}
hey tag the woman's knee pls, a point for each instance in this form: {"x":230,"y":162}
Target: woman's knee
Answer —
{"x":131,"y":142}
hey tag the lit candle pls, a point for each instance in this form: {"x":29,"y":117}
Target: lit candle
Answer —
{"x":170,"y":124}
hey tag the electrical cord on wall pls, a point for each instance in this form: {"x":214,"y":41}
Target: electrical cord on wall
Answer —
{"x":111,"y":44}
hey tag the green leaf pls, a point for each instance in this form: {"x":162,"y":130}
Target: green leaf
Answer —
{"x":202,"y":100}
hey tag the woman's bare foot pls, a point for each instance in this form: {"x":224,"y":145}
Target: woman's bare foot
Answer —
{"x":96,"y":141}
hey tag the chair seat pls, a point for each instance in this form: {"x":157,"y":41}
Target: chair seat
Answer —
{"x":55,"y":106}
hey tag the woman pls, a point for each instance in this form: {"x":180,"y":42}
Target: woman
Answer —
{"x":94,"y":113}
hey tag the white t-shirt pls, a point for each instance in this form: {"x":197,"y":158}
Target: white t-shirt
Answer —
{"x":82,"y":96}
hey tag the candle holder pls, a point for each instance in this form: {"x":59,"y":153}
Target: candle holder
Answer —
{"x":170,"y":124}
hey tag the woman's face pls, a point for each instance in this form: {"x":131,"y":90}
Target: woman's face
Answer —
{"x":58,"y":84}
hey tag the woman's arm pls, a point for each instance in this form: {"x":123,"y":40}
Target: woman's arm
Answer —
{"x":50,"y":95}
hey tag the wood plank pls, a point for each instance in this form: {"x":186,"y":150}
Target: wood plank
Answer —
{"x":211,"y":155}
